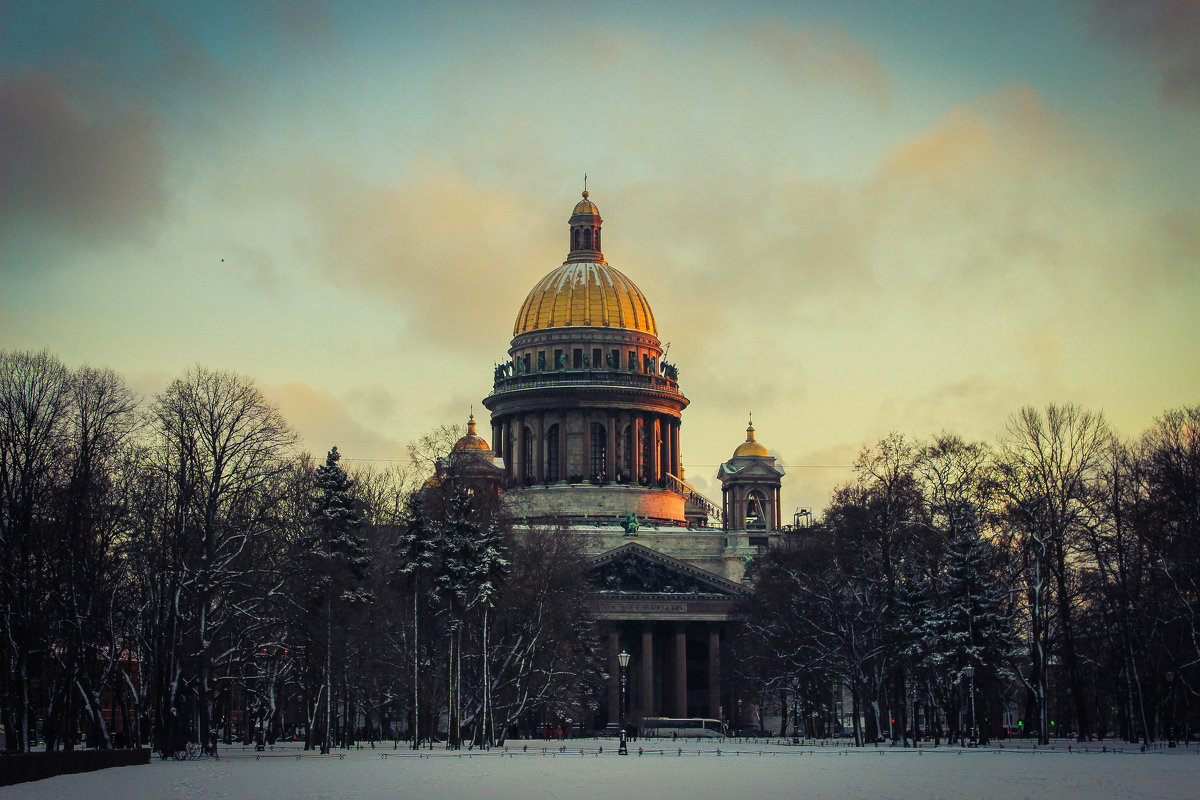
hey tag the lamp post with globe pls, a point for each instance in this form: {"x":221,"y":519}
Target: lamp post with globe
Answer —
{"x":623,"y":661}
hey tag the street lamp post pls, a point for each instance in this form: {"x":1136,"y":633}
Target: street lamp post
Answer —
{"x":623,"y":660}
{"x":969,"y":674}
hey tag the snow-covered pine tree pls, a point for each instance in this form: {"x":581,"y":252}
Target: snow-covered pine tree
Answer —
{"x":461,"y":540}
{"x":917,"y":633}
{"x":972,"y":627}
{"x":336,"y":561}
{"x":491,"y":568}
{"x":418,"y":554}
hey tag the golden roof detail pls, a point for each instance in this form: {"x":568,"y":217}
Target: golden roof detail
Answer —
{"x":585,"y":206}
{"x":585,"y":294}
{"x":472,"y":441}
{"x":750,"y":447}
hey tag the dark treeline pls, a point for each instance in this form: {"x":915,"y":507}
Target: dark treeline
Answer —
{"x":1055,"y":573}
{"x":177,"y":572}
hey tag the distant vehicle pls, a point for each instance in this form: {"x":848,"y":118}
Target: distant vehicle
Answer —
{"x":687,"y":727}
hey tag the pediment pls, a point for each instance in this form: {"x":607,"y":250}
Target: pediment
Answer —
{"x":754,"y":469}
{"x":634,"y":568}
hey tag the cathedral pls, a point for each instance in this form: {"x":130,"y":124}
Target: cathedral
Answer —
{"x":586,"y":421}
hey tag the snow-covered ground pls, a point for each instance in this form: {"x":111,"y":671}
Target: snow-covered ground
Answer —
{"x":702,"y":771}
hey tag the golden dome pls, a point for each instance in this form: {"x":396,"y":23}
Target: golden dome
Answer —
{"x":585,"y":294}
{"x":585,"y":206}
{"x":750,"y":447}
{"x":471,"y":441}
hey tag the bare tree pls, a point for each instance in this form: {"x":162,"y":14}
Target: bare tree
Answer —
{"x":85,"y":566}
{"x":34,"y":402}
{"x":222,"y":451}
{"x":1050,"y":469}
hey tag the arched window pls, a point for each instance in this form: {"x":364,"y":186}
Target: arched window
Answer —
{"x":599,"y":452}
{"x":552,"y":454}
{"x":596,"y":238}
{"x":527,"y":466}
{"x":756,"y":510}
{"x":575,"y":239}
{"x":587,"y":238}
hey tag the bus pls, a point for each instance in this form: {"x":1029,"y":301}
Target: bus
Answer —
{"x":684,"y":727}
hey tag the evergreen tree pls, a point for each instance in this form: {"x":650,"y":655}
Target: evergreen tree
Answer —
{"x":335,"y":561}
{"x":491,"y":568}
{"x":418,"y":552}
{"x":972,"y":627}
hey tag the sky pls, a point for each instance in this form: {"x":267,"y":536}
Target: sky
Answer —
{"x":849,"y":218}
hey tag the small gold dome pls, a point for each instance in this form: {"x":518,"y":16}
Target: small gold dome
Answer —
{"x":750,"y":447}
{"x":472,"y":441}
{"x":585,"y":294}
{"x":585,"y":206}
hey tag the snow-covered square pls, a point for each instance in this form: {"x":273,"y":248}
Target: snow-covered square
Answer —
{"x":578,"y":770}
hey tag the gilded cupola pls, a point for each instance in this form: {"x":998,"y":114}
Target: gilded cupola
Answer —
{"x":585,"y":291}
{"x":750,"y":447}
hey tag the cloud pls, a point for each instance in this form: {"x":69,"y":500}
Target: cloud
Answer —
{"x":323,"y":421}
{"x":822,"y":57}
{"x":440,"y":244}
{"x":1166,"y":33}
{"x":96,"y":173}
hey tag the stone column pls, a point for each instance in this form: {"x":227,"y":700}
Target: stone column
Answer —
{"x":679,"y":708}
{"x":714,"y":672}
{"x":539,"y":472}
{"x":636,"y":455}
{"x":676,"y":467}
{"x":562,"y":447}
{"x":519,"y":450}
{"x":655,"y":466}
{"x":586,"y":469}
{"x":614,"y":675}
{"x":664,"y":446}
{"x":646,"y":701}
{"x":610,"y":460}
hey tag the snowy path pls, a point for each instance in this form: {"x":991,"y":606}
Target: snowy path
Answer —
{"x":740,"y":771}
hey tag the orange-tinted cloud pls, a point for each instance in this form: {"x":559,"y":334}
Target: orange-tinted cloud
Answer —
{"x":95,"y":174}
{"x":323,"y":422}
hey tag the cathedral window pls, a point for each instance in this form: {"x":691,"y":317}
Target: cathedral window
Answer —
{"x":527,"y":456}
{"x":624,"y":453}
{"x":587,"y":239}
{"x":577,"y":358}
{"x":596,"y":357}
{"x":599,"y":453}
{"x":575,"y":239}
{"x":541,"y":361}
{"x":552,"y":454}
{"x":596,"y":238}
